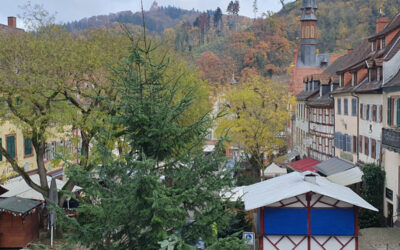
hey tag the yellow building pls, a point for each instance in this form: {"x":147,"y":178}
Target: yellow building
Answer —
{"x":20,"y":147}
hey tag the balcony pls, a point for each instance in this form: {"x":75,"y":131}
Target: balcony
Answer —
{"x":391,"y":139}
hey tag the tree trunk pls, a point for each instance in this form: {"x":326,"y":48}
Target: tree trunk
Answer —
{"x":257,"y":164}
{"x":40,"y":152}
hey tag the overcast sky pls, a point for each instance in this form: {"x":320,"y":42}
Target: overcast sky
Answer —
{"x":70,"y":10}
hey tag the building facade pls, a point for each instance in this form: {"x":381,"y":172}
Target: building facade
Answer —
{"x":367,"y":124}
{"x":307,"y":63}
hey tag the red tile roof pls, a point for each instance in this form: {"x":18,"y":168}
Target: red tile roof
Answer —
{"x":307,"y":164}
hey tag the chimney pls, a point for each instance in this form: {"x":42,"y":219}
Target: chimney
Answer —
{"x":310,"y":178}
{"x":349,"y":51}
{"x":381,"y":23}
{"x":12,"y":22}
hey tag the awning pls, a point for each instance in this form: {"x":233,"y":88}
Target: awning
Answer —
{"x":273,"y":170}
{"x":333,"y":166}
{"x":290,"y":185}
{"x":235,"y":194}
{"x":208,"y":148}
{"x":17,"y":205}
{"x":307,"y":164}
{"x":348,"y":177}
{"x":18,"y":187}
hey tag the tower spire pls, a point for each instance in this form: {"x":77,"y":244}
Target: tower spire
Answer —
{"x":308,"y":32}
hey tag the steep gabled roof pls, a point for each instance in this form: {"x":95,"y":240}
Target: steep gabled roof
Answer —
{"x":303,"y":96}
{"x":360,"y":54}
{"x":321,"y":101}
{"x":394,"y":82}
{"x":7,"y":30}
{"x":392,"y":25}
{"x":290,"y":185}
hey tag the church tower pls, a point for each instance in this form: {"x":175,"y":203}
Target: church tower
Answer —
{"x":308,"y":33}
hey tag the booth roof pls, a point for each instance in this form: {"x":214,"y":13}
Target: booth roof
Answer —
{"x":18,"y":187}
{"x":18,"y":205}
{"x":290,"y":185}
{"x":333,"y":166}
{"x":307,"y":164}
{"x":348,"y":177}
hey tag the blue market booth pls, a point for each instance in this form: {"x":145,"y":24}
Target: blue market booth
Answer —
{"x":19,"y":222}
{"x":305,"y":211}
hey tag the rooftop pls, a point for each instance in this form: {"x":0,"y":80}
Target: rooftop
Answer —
{"x":290,"y":185}
{"x":307,"y":164}
{"x":18,"y":205}
{"x":333,"y":166}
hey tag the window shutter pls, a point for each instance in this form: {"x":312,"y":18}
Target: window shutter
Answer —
{"x":11,"y":146}
{"x":369,"y":147}
{"x":361,"y":111}
{"x":354,"y":106}
{"x":344,"y":142}
{"x":366,"y":145}
{"x":355,"y":144}
{"x":343,"y":147}
{"x":349,"y":143}
{"x":360,"y":144}
{"x":398,"y":112}
{"x":1,"y":143}
{"x":27,"y":146}
{"x":336,"y":139}
{"x":365,"y":111}
{"x":368,"y":118}
{"x":374,"y":110}
{"x":389,"y":114}
{"x":373,"y":149}
{"x":378,"y":150}
{"x":380,"y":113}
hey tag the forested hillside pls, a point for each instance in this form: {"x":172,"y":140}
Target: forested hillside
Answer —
{"x":157,"y":20}
{"x":266,"y":47}
{"x":223,"y":44}
{"x":341,"y":23}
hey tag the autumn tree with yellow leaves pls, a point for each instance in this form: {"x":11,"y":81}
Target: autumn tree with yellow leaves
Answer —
{"x":257,"y":113}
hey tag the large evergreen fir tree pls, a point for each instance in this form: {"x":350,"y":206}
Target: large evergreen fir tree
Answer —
{"x":160,"y":189}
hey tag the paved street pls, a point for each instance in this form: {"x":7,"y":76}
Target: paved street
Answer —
{"x":379,"y":239}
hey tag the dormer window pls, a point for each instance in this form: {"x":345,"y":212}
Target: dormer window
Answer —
{"x":341,"y":80}
{"x":354,"y":79}
{"x":369,"y":75}
{"x":378,"y":74}
{"x":373,"y":46}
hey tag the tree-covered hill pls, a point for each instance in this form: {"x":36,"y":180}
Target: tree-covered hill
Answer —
{"x":266,"y":46}
{"x":341,"y":23}
{"x":222,"y":44}
{"x":158,"y":19}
